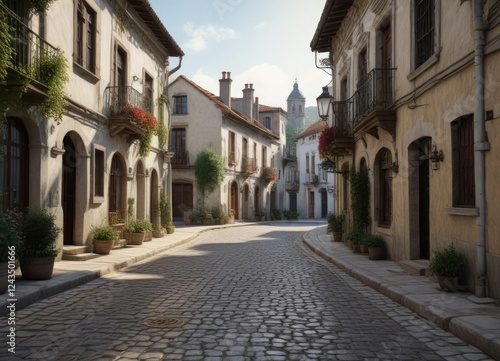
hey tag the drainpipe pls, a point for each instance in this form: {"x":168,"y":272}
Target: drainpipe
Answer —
{"x":168,"y":73}
{"x":480,"y":146}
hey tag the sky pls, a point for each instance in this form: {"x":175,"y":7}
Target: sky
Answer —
{"x":263,"y":42}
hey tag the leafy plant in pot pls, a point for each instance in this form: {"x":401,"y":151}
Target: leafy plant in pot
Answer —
{"x":448,"y":265}
{"x":137,"y":231}
{"x":104,"y":238}
{"x":376,"y":247}
{"x":9,"y":243}
{"x":38,"y":246}
{"x":336,"y":225}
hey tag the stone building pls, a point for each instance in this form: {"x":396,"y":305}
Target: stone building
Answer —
{"x":85,"y":167}
{"x":416,"y":101}
{"x":200,"y":120}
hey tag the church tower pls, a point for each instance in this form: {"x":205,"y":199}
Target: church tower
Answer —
{"x":296,"y":103}
{"x":296,"y":117}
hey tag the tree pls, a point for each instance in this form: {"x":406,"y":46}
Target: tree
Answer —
{"x":209,"y":171}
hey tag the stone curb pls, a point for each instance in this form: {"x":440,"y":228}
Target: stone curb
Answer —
{"x":453,"y":322}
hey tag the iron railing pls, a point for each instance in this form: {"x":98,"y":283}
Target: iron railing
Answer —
{"x":116,"y":96}
{"x":374,"y":93}
{"x":181,"y":157}
{"x":28,"y":49}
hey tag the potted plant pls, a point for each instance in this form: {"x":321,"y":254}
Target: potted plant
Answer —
{"x":137,"y":231}
{"x":9,"y":243}
{"x":38,"y":246}
{"x":336,"y":226}
{"x":104,"y":238}
{"x":448,"y":265}
{"x":166,"y":213}
{"x":376,"y":247}
{"x":218,"y":215}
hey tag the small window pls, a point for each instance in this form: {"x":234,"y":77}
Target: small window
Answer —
{"x":180,"y":104}
{"x":307,"y":163}
{"x":264,"y":157}
{"x":99,"y":162}
{"x":424,"y":30}
{"x":232,"y":149}
{"x":267,"y":122}
{"x":148,"y":93}
{"x":85,"y":53}
{"x":462,"y":140}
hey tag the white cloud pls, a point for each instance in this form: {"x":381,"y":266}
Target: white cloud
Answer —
{"x":200,"y":35}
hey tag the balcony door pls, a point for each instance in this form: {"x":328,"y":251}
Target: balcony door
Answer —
{"x":120,"y":76}
{"x":69,"y":190}
{"x":384,"y":88}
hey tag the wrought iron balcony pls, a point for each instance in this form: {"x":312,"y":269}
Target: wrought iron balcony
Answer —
{"x":292,"y":182}
{"x":180,"y":158}
{"x":289,"y":155}
{"x":115,"y":98}
{"x":29,"y":51}
{"x":248,"y":165}
{"x":370,"y":107}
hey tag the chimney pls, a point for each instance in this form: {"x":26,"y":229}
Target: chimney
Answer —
{"x":248,"y":100}
{"x":225,"y":88}
{"x":256,"y":108}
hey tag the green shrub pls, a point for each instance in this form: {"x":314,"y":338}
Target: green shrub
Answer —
{"x":448,"y":262}
{"x":374,"y":240}
{"x":139,"y":225}
{"x":105,"y":232}
{"x":276,"y":214}
{"x":39,"y":234}
{"x":9,"y":236}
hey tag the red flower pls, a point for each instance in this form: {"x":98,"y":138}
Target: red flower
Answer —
{"x":327,"y":139}
{"x":140,"y":116}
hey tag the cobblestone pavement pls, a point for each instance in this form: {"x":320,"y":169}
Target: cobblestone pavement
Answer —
{"x":245,"y":293}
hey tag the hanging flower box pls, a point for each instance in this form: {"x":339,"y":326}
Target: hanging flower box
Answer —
{"x":270,"y":174}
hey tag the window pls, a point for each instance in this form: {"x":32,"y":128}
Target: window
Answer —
{"x":307,"y":163}
{"x":178,"y":146}
{"x":14,"y":158}
{"x":232,"y":149}
{"x":86,"y":36}
{"x":313,"y":161}
{"x":267,"y":122}
{"x":384,"y":161}
{"x":424,"y":31}
{"x":180,"y":104}
{"x":425,"y":35}
{"x":264,"y":157}
{"x":148,"y":93}
{"x":120,"y":68}
{"x":117,"y":181}
{"x":98,"y":174}
{"x":462,"y":140}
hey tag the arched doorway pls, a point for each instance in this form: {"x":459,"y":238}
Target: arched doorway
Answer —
{"x":117,"y":191}
{"x":233,"y":200}
{"x":69,"y":190}
{"x":418,"y":198}
{"x":256,"y":202}
{"x":14,"y":166}
{"x":246,"y":204}
{"x":140,"y":179}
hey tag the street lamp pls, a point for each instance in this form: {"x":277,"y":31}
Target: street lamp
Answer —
{"x":324,"y":101}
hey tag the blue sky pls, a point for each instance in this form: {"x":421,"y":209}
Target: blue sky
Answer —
{"x":264,"y":42}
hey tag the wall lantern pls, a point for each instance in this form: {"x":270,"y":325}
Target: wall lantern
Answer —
{"x":330,"y":189}
{"x":324,"y":101}
{"x":435,"y":157}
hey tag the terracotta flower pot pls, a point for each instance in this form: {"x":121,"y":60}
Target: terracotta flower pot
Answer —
{"x":448,"y":284}
{"x":337,"y":236}
{"x":103,"y":246}
{"x":376,"y":253}
{"x":136,"y":239}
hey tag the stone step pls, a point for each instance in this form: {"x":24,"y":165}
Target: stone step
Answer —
{"x":73,"y":250}
{"x":417,"y":267}
{"x":79,"y":256}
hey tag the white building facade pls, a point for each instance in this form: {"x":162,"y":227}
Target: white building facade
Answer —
{"x":86,"y":167}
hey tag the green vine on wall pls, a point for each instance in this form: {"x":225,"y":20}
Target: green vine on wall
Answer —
{"x":162,"y":130}
{"x":53,"y":71}
{"x":38,"y":6}
{"x":360,"y":199}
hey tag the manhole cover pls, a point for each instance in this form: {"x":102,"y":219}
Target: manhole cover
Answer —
{"x":164,"y":322}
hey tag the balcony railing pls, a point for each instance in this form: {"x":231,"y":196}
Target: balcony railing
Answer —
{"x":28,"y":49}
{"x":116,"y":96}
{"x":292,"y":182}
{"x":374,"y":93}
{"x":248,"y":165}
{"x":181,"y":157}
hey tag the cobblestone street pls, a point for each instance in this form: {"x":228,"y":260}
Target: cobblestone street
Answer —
{"x":242,"y":293}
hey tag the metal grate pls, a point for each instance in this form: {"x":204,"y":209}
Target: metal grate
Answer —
{"x":164,"y":322}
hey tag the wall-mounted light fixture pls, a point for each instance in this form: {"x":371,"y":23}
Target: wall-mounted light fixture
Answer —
{"x":324,"y":100}
{"x":395,"y":165}
{"x":330,"y":189}
{"x":136,"y":78}
{"x":435,"y":157}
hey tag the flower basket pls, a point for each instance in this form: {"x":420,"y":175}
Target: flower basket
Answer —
{"x":103,"y":246}
{"x":136,"y":239}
